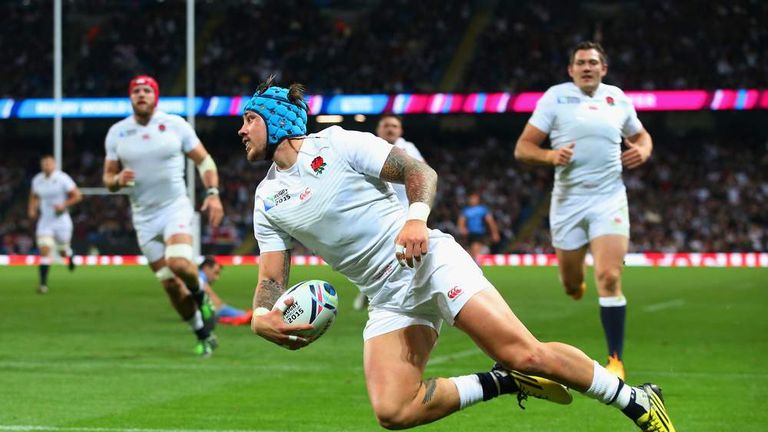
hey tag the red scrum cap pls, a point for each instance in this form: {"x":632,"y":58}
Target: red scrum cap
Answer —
{"x":145,"y":80}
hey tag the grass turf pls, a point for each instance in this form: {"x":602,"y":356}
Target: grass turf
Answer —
{"x":103,"y":351}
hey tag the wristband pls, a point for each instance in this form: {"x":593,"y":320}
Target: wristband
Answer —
{"x":212,"y":191}
{"x":259,"y":311}
{"x":419,"y":211}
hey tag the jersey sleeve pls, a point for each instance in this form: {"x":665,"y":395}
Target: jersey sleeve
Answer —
{"x":365,"y":152}
{"x":632,"y":124}
{"x":412,"y":151}
{"x":34,"y":187}
{"x":110,"y":144}
{"x":187,"y":135}
{"x":269,"y":237}
{"x":543,"y":117}
{"x":69,"y":184}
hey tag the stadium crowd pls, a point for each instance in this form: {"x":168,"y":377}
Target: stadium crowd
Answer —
{"x":395,"y":46}
{"x":657,"y":44}
{"x":697,"y":194}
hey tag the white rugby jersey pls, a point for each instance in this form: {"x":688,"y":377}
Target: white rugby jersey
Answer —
{"x":332,"y":201}
{"x":156,"y":153}
{"x":52,"y":190}
{"x":596,"y":125}
{"x":413,"y":152}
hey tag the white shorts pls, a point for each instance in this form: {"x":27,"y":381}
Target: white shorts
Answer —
{"x":433,"y":292}
{"x":60,"y":228}
{"x":153,"y":228}
{"x":577,"y":219}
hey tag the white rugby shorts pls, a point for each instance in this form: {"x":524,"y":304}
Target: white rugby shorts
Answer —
{"x":154,"y":227}
{"x":432,"y":292}
{"x":575,"y":220}
{"x":60,"y":228}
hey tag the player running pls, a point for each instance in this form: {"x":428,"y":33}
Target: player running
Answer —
{"x":586,"y":120}
{"x":329,"y":191}
{"x":145,"y":153}
{"x":53,"y":193}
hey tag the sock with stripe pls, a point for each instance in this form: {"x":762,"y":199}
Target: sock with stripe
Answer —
{"x":483,"y":386}
{"x":611,"y":390}
{"x":613,"y":312}
{"x":198,"y":327}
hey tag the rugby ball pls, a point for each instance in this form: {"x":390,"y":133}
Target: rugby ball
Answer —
{"x":314,"y":302}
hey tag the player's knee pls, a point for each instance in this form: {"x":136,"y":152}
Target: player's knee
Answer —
{"x":609,"y":278}
{"x":46,"y":244}
{"x":393,"y":416}
{"x":528,"y":359}
{"x":64,"y":249}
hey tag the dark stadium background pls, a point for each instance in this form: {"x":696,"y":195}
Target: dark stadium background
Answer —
{"x":102,"y":351}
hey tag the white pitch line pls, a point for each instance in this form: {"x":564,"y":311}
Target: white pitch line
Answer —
{"x":448,"y":357}
{"x":31,"y":428}
{"x":664,"y":305}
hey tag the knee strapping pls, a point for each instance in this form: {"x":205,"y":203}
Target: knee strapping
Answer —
{"x":164,"y":274}
{"x":65,"y":247}
{"x":46,"y":241}
{"x":179,"y":250}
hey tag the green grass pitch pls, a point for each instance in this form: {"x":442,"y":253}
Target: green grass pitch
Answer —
{"x":104,"y":351}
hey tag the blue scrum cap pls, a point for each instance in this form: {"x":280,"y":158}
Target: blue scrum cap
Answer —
{"x":284,"y":119}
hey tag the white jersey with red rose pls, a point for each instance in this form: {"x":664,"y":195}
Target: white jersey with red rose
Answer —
{"x":156,"y":153}
{"x":596,"y":124}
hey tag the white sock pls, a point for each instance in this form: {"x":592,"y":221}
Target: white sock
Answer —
{"x":196,"y":322}
{"x":608,"y":388}
{"x":470,"y":390}
{"x":622,"y":399}
{"x":612,"y":301}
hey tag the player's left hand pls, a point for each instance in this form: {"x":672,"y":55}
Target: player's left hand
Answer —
{"x":634,"y":156}
{"x":59,"y":208}
{"x":412,"y":242}
{"x":215,"y":210}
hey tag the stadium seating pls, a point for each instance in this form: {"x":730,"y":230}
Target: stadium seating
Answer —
{"x":388,"y":47}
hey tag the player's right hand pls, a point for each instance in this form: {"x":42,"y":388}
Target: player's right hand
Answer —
{"x":126,"y":177}
{"x":32,"y":213}
{"x":562,"y":156}
{"x":412,"y":242}
{"x":273,"y":328}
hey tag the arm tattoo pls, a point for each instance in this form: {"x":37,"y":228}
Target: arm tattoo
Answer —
{"x":429,"y":393}
{"x":269,"y":290}
{"x":420,"y":180}
{"x":286,"y":266}
{"x":267,"y":293}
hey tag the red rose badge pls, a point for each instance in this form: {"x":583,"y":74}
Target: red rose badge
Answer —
{"x":318,"y":165}
{"x":609,"y":100}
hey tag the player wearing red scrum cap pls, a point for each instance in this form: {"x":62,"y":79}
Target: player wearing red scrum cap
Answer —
{"x":145,"y":154}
